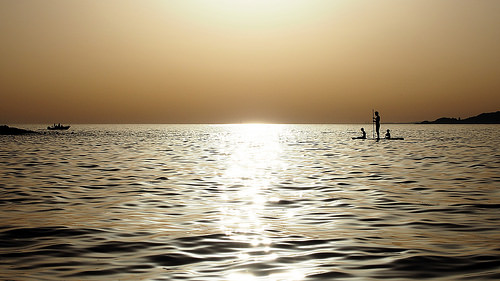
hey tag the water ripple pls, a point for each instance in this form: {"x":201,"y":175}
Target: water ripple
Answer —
{"x":250,"y":202}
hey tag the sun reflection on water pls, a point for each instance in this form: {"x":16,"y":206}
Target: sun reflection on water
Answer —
{"x":292,"y":275}
{"x":249,"y":176}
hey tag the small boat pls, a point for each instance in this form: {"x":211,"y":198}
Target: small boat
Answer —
{"x":58,"y":127}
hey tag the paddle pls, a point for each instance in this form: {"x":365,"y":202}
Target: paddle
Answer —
{"x":373,"y":123}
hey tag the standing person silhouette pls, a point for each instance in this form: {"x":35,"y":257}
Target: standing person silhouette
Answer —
{"x":376,"y":119}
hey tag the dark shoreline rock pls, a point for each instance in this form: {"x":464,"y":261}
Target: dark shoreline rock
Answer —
{"x":6,"y":130}
{"x":483,"y":118}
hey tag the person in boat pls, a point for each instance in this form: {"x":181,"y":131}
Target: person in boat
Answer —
{"x":376,"y":119}
{"x":388,"y":134}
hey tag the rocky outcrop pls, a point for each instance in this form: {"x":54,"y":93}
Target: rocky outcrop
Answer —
{"x":483,"y":118}
{"x":6,"y":130}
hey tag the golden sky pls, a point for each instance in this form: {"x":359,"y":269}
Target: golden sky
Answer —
{"x":231,"y":61}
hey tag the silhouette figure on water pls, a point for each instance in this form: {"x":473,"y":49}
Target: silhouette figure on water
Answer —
{"x":388,"y":134}
{"x":363,"y":136}
{"x":363,"y":133}
{"x":376,"y":119}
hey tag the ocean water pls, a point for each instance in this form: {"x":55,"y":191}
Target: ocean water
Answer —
{"x":250,"y":202}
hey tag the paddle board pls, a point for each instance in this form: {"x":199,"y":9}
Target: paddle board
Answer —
{"x":360,"y":138}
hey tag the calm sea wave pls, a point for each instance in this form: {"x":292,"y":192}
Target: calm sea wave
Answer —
{"x":250,"y":202}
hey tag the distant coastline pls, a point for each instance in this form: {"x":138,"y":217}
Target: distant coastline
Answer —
{"x":483,"y":118}
{"x":6,"y":130}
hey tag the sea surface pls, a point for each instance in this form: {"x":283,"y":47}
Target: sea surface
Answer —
{"x":250,"y":202}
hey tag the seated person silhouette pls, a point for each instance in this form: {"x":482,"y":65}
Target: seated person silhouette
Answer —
{"x":363,"y":136}
{"x":388,"y":134}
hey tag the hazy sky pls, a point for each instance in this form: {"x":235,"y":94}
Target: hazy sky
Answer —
{"x":231,"y":61}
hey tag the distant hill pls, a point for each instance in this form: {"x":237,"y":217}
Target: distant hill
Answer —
{"x":483,"y":118}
